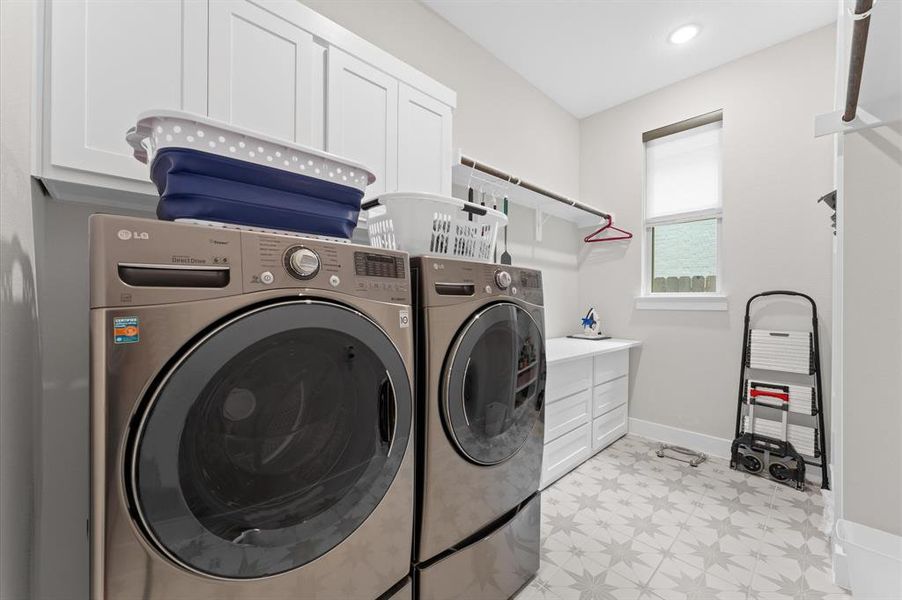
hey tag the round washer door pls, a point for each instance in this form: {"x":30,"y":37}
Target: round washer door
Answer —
{"x":271,"y":440}
{"x":495,"y":384}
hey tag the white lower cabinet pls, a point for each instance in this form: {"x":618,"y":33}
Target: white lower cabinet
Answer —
{"x":609,"y":395}
{"x":609,"y":427}
{"x":586,"y":409}
{"x":566,"y":453}
{"x":567,"y":414}
{"x":567,"y":378}
{"x":610,"y":366}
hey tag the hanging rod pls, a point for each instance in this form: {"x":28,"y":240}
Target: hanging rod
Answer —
{"x":490,"y":170}
{"x":862,"y":18}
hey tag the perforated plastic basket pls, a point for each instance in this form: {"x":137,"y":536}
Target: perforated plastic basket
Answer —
{"x":211,"y":171}
{"x":160,"y":129}
{"x":427,"y":224}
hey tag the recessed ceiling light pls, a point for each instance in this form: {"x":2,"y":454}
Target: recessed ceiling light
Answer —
{"x":684,"y":34}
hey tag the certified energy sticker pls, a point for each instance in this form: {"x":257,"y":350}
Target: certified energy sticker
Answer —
{"x":126,"y":330}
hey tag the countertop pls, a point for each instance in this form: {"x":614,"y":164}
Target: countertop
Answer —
{"x":563,"y":349}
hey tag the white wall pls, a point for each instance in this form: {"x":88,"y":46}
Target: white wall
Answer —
{"x":43,"y":363}
{"x":19,"y":336}
{"x":686,"y":374}
{"x":872,"y":326}
{"x":868,"y":290}
{"x":500,"y":119}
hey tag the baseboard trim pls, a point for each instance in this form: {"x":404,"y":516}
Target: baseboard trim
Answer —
{"x":840,"y":567}
{"x":710,"y":445}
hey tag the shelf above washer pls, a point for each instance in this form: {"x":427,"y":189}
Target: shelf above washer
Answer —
{"x":469,"y":172}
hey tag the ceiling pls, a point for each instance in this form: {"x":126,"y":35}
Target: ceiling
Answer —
{"x":589,"y":55}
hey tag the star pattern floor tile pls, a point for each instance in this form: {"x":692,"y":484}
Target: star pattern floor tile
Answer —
{"x":629,"y":525}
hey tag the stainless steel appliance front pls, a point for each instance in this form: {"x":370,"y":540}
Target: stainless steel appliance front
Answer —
{"x":480,"y":397}
{"x":251,"y":415}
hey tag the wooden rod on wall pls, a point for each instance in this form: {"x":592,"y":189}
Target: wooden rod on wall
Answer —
{"x":489,"y":170}
{"x":860,"y":28}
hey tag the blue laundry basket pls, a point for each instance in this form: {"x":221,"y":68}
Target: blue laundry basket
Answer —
{"x":199,"y":185}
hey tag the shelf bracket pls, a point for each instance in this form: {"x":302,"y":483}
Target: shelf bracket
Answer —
{"x":541,"y":217}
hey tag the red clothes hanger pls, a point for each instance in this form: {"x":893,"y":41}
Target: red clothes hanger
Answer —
{"x":609,"y":226}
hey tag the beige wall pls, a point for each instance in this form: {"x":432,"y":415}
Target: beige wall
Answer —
{"x":500,"y":119}
{"x":775,"y":236}
{"x":872,"y":326}
{"x":19,"y":336}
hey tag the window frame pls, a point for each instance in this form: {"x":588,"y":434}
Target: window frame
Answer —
{"x":648,"y":299}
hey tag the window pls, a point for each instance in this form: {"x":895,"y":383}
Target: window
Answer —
{"x":683,"y":209}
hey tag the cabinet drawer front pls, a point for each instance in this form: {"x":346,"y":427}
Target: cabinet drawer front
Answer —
{"x":611,"y":366}
{"x":566,"y":415}
{"x":566,"y":379}
{"x":566,"y":453}
{"x":609,"y":427}
{"x":610,"y":395}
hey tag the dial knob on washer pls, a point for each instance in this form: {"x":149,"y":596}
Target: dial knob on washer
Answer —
{"x":502,"y":279}
{"x":302,"y":262}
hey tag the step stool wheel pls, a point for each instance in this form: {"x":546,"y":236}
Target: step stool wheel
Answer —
{"x":780,"y":472}
{"x":751,"y":463}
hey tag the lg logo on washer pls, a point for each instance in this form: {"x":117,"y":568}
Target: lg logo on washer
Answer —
{"x":125,"y":234}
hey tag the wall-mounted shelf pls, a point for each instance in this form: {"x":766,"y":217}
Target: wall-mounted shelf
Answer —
{"x":468,"y":172}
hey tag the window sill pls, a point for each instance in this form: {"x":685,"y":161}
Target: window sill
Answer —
{"x":682,"y":302}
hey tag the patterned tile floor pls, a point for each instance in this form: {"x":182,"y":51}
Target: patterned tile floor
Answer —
{"x":629,"y":525}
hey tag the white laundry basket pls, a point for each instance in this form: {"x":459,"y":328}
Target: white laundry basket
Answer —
{"x":428,"y":224}
{"x":875,"y":561}
{"x":160,"y":129}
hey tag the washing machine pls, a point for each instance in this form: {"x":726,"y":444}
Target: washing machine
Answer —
{"x":251,"y":415}
{"x":480,"y":429}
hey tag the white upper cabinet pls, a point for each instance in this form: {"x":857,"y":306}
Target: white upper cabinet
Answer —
{"x":267,"y":74}
{"x":363,"y":117}
{"x":424,"y":142}
{"x":265,"y":65}
{"x":108,"y":61}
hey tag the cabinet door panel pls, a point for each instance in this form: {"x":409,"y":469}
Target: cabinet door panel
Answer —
{"x":610,"y":395}
{"x":568,"y":378}
{"x":566,"y":414}
{"x":424,"y":134}
{"x":266,"y":74}
{"x":104,"y":71}
{"x":566,"y":453}
{"x":609,"y":427}
{"x":611,"y":366}
{"x":362,"y":109}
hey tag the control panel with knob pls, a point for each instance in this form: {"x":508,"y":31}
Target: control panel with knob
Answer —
{"x":301,"y":262}
{"x":502,"y":279}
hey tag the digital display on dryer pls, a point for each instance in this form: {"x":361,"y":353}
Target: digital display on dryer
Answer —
{"x":367,"y":264}
{"x":530,"y":279}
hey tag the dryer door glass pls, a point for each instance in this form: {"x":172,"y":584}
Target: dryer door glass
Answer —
{"x":495,"y":384}
{"x":270,"y":440}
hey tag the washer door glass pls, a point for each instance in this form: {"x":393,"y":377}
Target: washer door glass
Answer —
{"x":271,"y":440}
{"x":495,"y":384}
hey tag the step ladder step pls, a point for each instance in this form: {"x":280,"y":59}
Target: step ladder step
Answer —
{"x":802,"y":438}
{"x":788,"y":351}
{"x":801,"y":397}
